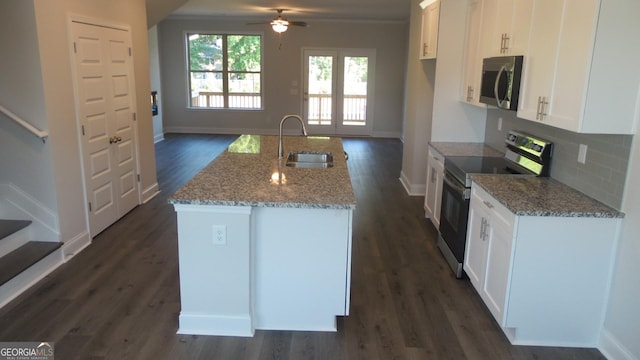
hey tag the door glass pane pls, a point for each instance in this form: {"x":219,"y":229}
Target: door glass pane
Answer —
{"x":354,"y":110}
{"x":320,"y":90}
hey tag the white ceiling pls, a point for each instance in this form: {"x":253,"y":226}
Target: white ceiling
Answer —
{"x":299,"y":9}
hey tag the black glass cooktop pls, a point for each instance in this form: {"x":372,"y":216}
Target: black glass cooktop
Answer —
{"x":461,"y":166}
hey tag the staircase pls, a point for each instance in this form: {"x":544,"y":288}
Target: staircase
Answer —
{"x":22,"y":261}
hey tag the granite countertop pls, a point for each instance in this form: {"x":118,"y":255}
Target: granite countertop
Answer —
{"x":246,"y":174}
{"x":535,"y":196}
{"x":465,"y":149}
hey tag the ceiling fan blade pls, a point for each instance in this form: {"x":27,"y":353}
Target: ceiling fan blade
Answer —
{"x":259,"y":23}
{"x":298,"y":23}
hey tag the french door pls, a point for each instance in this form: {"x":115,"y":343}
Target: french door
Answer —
{"x":338,"y":91}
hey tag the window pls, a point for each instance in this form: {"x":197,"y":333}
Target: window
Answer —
{"x":225,"y":71}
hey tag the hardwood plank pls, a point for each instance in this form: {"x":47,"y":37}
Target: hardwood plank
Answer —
{"x":120,"y":298}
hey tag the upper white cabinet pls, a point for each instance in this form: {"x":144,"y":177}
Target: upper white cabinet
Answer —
{"x":473,"y":61}
{"x":433,"y":197}
{"x":581,"y":67}
{"x":505,"y":27}
{"x":429,"y":36}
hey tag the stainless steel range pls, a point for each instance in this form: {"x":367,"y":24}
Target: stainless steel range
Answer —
{"x":525,"y":155}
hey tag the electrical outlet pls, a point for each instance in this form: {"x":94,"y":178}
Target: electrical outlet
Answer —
{"x":219,"y":234}
{"x":582,"y":154}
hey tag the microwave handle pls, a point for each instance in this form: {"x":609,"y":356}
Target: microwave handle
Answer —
{"x":495,"y":86}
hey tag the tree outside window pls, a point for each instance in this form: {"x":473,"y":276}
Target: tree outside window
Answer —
{"x":225,"y":71}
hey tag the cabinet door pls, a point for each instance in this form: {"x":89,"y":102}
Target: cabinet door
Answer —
{"x":505,"y":28}
{"x":497,"y":270}
{"x":473,"y":62}
{"x":429,"y":37}
{"x":433,"y":196}
{"x":539,"y":64}
{"x":439,"y":171}
{"x":517,"y":39}
{"x":574,"y":55}
{"x":476,"y":248}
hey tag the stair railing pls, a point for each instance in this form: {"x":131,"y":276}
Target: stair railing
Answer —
{"x":41,"y":134}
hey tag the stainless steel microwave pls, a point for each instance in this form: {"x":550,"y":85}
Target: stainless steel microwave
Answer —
{"x":500,"y":83}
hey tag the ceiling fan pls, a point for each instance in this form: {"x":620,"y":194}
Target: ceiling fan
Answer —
{"x":280,"y":24}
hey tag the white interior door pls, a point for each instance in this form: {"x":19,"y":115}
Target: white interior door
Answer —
{"x":338,"y":89}
{"x":105,"y":107}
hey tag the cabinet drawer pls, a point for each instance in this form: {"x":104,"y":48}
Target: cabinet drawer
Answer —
{"x":502,"y":219}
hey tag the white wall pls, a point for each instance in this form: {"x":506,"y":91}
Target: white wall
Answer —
{"x":420,"y":78}
{"x":25,"y":162}
{"x":622,"y":325}
{"x":156,"y":85}
{"x":281,"y":68}
{"x":433,"y":109}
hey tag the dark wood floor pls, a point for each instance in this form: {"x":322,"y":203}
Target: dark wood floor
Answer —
{"x":119,"y":298}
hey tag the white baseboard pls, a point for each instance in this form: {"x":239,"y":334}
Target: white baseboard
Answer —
{"x":199,"y":324}
{"x":20,"y":205}
{"x":73,"y":246}
{"x":150,"y":192}
{"x":238,"y":131}
{"x":158,"y":137}
{"x":387,"y":134}
{"x":612,"y":349}
{"x":412,"y":189}
{"x":19,"y":284}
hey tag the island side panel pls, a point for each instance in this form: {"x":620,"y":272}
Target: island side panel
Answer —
{"x":302,"y":267}
{"x":215,"y":270}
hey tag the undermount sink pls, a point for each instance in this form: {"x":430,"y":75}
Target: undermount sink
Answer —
{"x":310,"y":159}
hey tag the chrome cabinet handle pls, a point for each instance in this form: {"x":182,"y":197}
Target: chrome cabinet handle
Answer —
{"x":115,"y":139}
{"x":488,"y":204}
{"x":482,"y":224}
{"x":543,"y":108}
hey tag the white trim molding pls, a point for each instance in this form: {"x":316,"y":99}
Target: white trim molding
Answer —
{"x":612,"y":348}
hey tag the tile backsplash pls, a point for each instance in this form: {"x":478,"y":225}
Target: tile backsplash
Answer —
{"x":602,"y":176}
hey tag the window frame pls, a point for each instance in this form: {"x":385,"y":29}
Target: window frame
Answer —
{"x":225,"y":70}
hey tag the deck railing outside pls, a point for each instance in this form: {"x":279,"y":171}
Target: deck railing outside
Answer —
{"x":354,"y":108}
{"x":211,"y":99}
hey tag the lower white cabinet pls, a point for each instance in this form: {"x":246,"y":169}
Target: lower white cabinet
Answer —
{"x":433,"y":196}
{"x":543,"y":278}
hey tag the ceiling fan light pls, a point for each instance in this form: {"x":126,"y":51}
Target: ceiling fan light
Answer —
{"x":279,"y":26}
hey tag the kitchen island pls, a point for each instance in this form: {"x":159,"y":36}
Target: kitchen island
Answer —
{"x":262,"y":245}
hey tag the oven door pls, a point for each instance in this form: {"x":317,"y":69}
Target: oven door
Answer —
{"x":453,"y":215}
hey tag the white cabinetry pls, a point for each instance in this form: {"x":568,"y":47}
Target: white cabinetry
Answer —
{"x":429,"y":36}
{"x":543,"y":278}
{"x":505,"y":27}
{"x":473,"y":62}
{"x":580,"y":70}
{"x":488,"y":254}
{"x":433,"y":197}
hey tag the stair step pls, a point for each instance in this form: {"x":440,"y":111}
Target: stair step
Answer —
{"x":8,"y":227}
{"x":21,"y":258}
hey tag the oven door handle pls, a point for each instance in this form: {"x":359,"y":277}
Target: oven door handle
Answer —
{"x":463,"y":192}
